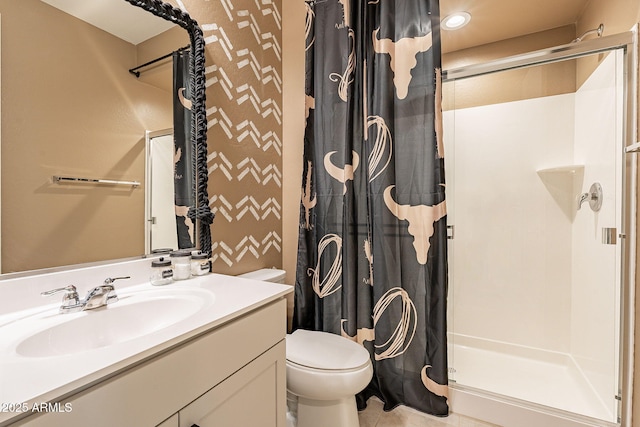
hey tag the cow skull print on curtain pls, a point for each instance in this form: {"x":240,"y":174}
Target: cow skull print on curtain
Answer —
{"x":372,"y":259}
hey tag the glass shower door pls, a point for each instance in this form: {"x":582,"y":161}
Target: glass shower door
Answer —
{"x":534,"y":196}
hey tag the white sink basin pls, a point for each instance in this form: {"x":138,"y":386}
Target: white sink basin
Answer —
{"x":135,"y":315}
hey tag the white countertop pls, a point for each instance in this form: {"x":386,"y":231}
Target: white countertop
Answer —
{"x":29,"y":380}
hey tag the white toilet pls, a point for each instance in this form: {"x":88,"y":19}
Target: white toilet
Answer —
{"x":324,"y":373}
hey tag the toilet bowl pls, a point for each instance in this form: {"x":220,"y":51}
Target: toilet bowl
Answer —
{"x":324,"y":372}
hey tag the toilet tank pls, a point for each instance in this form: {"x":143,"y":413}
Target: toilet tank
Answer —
{"x":266,"y":275}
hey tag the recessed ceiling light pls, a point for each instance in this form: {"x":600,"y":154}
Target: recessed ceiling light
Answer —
{"x":456,"y":20}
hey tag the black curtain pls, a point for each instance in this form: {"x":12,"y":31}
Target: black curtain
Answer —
{"x":184,"y":152}
{"x":372,"y":259}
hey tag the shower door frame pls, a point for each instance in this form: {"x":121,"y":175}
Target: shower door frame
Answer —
{"x":627,"y":42}
{"x":148,"y":220}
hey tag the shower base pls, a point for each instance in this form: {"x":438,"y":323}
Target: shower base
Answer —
{"x":512,"y":386}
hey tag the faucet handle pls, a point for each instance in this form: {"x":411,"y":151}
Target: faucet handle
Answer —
{"x":70,"y":299}
{"x":70,"y":293}
{"x":110,"y":280}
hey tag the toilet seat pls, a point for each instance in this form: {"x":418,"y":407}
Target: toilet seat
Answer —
{"x":324,"y":351}
{"x":326,"y":371}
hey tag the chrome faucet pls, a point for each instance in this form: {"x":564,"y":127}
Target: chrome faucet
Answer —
{"x":594,"y":197}
{"x":96,"y":297}
{"x":584,"y":197}
{"x":100,"y":296}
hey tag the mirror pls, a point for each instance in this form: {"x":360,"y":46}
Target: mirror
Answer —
{"x":71,"y":108}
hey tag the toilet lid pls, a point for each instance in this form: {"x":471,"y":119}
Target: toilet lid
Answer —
{"x":323,"y":350}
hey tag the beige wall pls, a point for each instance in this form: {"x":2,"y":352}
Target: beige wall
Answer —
{"x":83,"y":120}
{"x":293,"y":68}
{"x":244,"y":113}
{"x":293,"y":71}
{"x":514,"y":85}
{"x":160,"y":74}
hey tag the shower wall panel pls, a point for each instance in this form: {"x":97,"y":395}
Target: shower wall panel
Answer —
{"x":511,"y":260}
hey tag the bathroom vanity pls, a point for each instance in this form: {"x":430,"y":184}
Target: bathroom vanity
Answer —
{"x":204,"y":349}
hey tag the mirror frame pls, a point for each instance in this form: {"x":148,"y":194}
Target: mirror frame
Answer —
{"x":200,"y":214}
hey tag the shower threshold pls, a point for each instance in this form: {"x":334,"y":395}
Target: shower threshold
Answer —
{"x":543,"y":378}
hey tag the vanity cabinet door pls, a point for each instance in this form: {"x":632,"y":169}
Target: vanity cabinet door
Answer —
{"x":253,"y":396}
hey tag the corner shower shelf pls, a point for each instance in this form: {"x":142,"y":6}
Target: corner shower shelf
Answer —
{"x":569,"y":169}
{"x":564,"y":183}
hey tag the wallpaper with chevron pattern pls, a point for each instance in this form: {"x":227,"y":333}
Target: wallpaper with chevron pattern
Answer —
{"x":244,"y":113}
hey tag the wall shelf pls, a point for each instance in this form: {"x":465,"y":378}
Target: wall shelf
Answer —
{"x":564,"y":183}
{"x":569,"y":169}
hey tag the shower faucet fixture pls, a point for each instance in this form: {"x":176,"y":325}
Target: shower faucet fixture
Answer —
{"x":594,"y":197}
{"x":597,"y":31}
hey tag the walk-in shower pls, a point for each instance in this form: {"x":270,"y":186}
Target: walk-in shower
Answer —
{"x":541,"y":197}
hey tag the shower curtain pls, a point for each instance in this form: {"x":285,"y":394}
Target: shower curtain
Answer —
{"x":183,"y":151}
{"x":372,"y":249}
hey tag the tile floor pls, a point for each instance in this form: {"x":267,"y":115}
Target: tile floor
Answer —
{"x":403,"y":416}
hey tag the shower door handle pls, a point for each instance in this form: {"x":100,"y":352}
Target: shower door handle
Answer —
{"x":609,"y":236}
{"x":450,"y":232}
{"x":633,"y":148}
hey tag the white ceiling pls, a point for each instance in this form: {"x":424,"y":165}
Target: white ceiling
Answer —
{"x":117,"y":17}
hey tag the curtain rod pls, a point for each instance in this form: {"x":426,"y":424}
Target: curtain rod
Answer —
{"x":137,"y":73}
